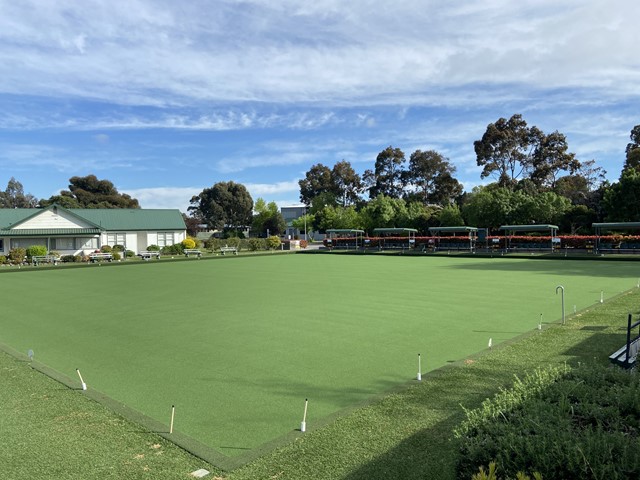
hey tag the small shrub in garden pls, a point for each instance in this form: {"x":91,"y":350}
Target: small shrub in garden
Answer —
{"x":129,"y":254}
{"x":36,"y":251}
{"x":68,"y":259}
{"x":233,"y":242}
{"x":189,"y":243}
{"x":254,"y":244}
{"x":304,"y":244}
{"x":153,"y":248}
{"x":116,"y":256}
{"x":106,"y":249}
{"x":176,"y":249}
{"x":273,"y":242}
{"x":212,"y":244}
{"x":17,"y":255}
{"x":3,"y":259}
{"x":117,"y":248}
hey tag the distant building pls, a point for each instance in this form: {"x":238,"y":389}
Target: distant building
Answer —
{"x":293,"y":213}
{"x":77,"y":231}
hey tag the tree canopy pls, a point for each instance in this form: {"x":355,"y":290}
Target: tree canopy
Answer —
{"x":224,"y":205}
{"x":14,"y":197}
{"x":89,"y":192}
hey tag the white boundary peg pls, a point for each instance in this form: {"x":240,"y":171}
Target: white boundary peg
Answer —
{"x":173,"y":414}
{"x":490,"y":343}
{"x":84,"y":385}
{"x":303,"y":424}
{"x":419,"y":369}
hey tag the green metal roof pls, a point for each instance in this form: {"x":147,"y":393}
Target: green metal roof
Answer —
{"x":48,"y":232}
{"x":453,"y":229}
{"x":132,"y":219}
{"x":394,"y":230}
{"x":117,"y":219}
{"x":528,"y":228}
{"x":616,"y":226}
{"x":343,"y":230}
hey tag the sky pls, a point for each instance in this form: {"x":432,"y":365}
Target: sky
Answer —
{"x":166,"y":98}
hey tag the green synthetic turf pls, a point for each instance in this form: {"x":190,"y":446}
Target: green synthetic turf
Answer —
{"x":237,"y":344}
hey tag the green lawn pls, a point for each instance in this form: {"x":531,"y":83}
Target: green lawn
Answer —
{"x":237,"y":344}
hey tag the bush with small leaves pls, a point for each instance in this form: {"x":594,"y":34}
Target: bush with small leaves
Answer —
{"x":273,"y":242}
{"x":36,"y":251}
{"x":189,"y":242}
{"x":17,"y":255}
{"x":3,"y":259}
{"x":117,"y":248}
{"x":153,"y":248}
{"x":254,"y":244}
{"x":116,"y":256}
{"x":212,"y":244}
{"x":106,"y":249}
{"x":68,"y":258}
{"x":130,"y":254}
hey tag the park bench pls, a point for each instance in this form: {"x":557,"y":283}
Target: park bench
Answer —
{"x":147,"y":254}
{"x":627,"y":355}
{"x":226,"y":249}
{"x":38,"y":259}
{"x":97,"y":257}
{"x":192,"y":251}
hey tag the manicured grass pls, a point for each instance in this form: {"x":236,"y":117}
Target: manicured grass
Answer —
{"x":237,"y":344}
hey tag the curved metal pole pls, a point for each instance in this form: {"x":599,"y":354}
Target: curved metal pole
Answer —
{"x":560,"y":287}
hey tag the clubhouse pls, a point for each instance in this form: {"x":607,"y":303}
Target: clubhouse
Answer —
{"x":77,"y":231}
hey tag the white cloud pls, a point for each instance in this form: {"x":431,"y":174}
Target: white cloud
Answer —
{"x":164,"y":197}
{"x":360,"y":52}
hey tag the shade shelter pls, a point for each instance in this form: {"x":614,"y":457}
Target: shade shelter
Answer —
{"x":511,"y":230}
{"x":470,"y":233}
{"x":396,"y":237}
{"x":344,"y":237}
{"x":614,"y":226}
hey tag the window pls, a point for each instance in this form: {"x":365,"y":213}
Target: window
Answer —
{"x":65,"y":243}
{"x":86,"y":243}
{"x":1,"y":245}
{"x":116,"y":239}
{"x":27,"y":242}
{"x":165,"y":239}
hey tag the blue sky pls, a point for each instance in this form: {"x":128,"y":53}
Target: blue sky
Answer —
{"x":166,"y":98}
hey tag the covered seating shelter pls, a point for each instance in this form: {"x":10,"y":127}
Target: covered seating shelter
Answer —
{"x":395,"y":237}
{"x":511,"y":230}
{"x":470,"y":234}
{"x":344,"y":238}
{"x":622,"y":247}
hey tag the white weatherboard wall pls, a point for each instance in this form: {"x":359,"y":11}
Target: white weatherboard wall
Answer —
{"x":49,"y":219}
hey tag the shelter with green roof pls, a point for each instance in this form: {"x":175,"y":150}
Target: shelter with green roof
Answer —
{"x":395,"y":237}
{"x":344,"y":237}
{"x":611,"y":227}
{"x":77,"y":231}
{"x":467,"y":237}
{"x":511,"y":230}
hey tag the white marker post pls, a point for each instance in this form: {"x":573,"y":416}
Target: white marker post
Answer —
{"x":173,"y":414}
{"x":84,"y":385}
{"x":419,"y":369}
{"x":601,"y":296}
{"x":540,"y":323}
{"x":490,"y":343}
{"x":303,"y":424}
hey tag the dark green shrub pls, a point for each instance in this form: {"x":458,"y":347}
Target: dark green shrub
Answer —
{"x":130,"y":254}
{"x":153,"y":248}
{"x":254,"y":244}
{"x":106,"y":249}
{"x":36,"y":250}
{"x":68,"y":258}
{"x":3,"y":259}
{"x":582,"y":423}
{"x":212,"y":244}
{"x":116,"y":255}
{"x":233,"y":242}
{"x":176,"y":249}
{"x":117,"y":248}
{"x":17,"y":255}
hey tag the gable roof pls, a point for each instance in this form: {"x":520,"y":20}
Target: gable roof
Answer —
{"x":122,"y":219}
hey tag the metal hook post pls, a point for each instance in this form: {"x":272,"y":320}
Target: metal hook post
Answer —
{"x":560,"y":287}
